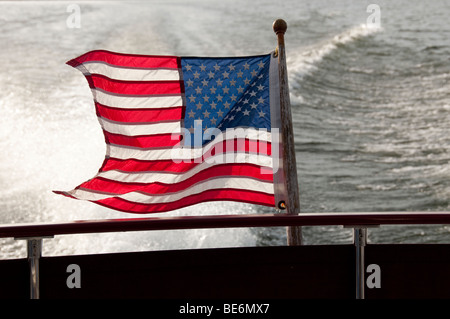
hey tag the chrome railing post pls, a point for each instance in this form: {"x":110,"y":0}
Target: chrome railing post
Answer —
{"x":360,"y":239}
{"x":34,"y":253}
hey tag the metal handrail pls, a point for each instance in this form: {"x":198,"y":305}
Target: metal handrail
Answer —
{"x":362,"y":219}
{"x":34,"y":233}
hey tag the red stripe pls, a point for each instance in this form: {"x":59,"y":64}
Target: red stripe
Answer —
{"x":127,"y":60}
{"x":134,"y":87}
{"x":207,"y":196}
{"x":139,"y":115}
{"x":168,"y":140}
{"x":135,"y":165}
{"x":238,"y":170}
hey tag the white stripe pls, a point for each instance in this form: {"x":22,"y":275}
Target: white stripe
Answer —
{"x":140,"y":129}
{"x":241,"y":183}
{"x":182,"y":154}
{"x":124,"y":153}
{"x":172,"y":178}
{"x":138,"y":102}
{"x":187,"y":157}
{"x":129,"y":74}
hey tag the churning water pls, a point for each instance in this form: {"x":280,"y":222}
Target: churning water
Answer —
{"x":370,"y":103}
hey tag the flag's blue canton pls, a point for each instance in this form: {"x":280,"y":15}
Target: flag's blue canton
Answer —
{"x":227,"y":92}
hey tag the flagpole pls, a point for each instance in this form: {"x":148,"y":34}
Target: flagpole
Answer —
{"x":294,"y":233}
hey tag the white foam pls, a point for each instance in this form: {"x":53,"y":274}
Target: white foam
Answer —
{"x":305,"y":61}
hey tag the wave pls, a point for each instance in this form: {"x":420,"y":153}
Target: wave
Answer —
{"x":305,"y":61}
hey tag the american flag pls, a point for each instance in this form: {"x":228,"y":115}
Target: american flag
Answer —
{"x":183,"y":130}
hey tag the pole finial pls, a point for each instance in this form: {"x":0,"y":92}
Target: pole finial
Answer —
{"x":279,"y":26}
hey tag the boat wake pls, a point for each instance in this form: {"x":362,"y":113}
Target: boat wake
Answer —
{"x":304,"y":60}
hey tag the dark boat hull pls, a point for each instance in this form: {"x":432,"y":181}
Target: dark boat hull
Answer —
{"x":406,"y":271}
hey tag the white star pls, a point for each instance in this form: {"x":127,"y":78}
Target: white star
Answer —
{"x":198,"y":90}
{"x":196,"y":75}
{"x":211,"y":75}
{"x":213,"y":121}
{"x":213,"y":105}
{"x":199,"y":105}
{"x":202,"y":67}
{"x":254,"y":73}
{"x":188,"y":67}
{"x":260,"y":87}
{"x":219,"y":98}
{"x":231,"y":118}
{"x":227,"y":105}
{"x":219,"y":82}
{"x":239,"y":74}
{"x":216,"y":67}
{"x":240,"y":89}
{"x":192,"y":98}
{"x":261,"y":114}
{"x":225,"y":74}
{"x":252,"y":93}
{"x":206,"y":98}
{"x":190,"y":82}
{"x":245,"y":101}
{"x":205,"y":83}
{"x":246,"y":66}
{"x":254,"y":105}
{"x":246,"y":81}
{"x":206,"y":114}
{"x":191,"y":113}
{"x":233,"y":83}
{"x":225,"y":90}
{"x":246,"y":112}
{"x":220,"y":114}
{"x":233,"y":98}
{"x":231,"y":67}
{"x":261,"y":64}
{"x":261,"y":100}
{"x":213,"y":90}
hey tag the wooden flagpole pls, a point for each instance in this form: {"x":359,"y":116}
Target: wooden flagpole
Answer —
{"x":294,"y":233}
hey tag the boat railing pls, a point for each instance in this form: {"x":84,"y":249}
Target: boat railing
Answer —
{"x":359,"y":221}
